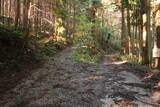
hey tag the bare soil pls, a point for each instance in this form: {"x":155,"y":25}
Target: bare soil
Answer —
{"x":62,"y":82}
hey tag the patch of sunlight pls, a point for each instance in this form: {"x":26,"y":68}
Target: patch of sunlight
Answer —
{"x":46,"y":32}
{"x":58,"y":22}
{"x":52,"y":39}
{"x":150,"y":75}
{"x":156,"y":96}
{"x":48,"y":39}
{"x":60,"y":38}
{"x":116,"y":63}
{"x":58,"y":25}
{"x":157,"y":85}
{"x":61,"y":30}
{"x":84,"y":46}
{"x":119,"y":62}
{"x":105,"y":1}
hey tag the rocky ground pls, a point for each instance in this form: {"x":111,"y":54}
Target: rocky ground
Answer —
{"x":62,"y":82}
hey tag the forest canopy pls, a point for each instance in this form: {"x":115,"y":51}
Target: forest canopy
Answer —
{"x":93,"y":26}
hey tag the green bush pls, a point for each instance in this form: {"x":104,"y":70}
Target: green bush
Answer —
{"x":14,"y":47}
{"x":87,"y":48}
{"x":133,"y":59}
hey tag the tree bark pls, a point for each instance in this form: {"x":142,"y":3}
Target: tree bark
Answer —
{"x":130,"y":44}
{"x":123,"y":29}
{"x":149,"y":36}
{"x":17,"y":12}
{"x":26,"y":4}
{"x":0,"y":7}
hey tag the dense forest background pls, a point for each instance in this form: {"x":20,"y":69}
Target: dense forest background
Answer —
{"x":39,"y":28}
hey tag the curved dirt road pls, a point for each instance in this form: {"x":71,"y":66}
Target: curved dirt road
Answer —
{"x":61,"y":82}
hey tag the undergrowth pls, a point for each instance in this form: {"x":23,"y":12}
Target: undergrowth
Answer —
{"x":18,"y":49}
{"x":14,"y":49}
{"x":132,"y":59}
{"x":87,"y":50}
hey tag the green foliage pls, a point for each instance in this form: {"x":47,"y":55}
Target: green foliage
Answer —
{"x":133,"y":59}
{"x":18,"y":49}
{"x":14,"y":47}
{"x":107,"y":39}
{"x":89,"y":46}
{"x":46,"y":52}
{"x":60,"y":9}
{"x":87,"y":49}
{"x":156,"y":71}
{"x":96,"y":3}
{"x":57,"y":44}
{"x":19,"y":29}
{"x":61,"y":12}
{"x":6,"y":20}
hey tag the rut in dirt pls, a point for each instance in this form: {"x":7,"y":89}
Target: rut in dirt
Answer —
{"x":62,"y":82}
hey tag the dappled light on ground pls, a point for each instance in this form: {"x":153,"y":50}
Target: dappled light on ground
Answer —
{"x":157,"y":85}
{"x":62,"y":82}
{"x":120,"y":62}
{"x":156,"y":96}
{"x":52,"y":53}
{"x":109,"y":59}
{"x":112,"y":59}
{"x":150,"y":75}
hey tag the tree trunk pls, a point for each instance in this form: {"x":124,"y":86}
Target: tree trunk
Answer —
{"x":130,"y":44}
{"x":123,"y":29}
{"x":0,"y":7}
{"x":17,"y":12}
{"x":26,"y":4}
{"x":145,"y":59}
{"x":149,"y":36}
{"x":92,"y":18}
{"x":158,"y":45}
{"x":9,"y":8}
{"x":140,"y":36}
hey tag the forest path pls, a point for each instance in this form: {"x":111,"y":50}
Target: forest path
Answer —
{"x":62,"y":82}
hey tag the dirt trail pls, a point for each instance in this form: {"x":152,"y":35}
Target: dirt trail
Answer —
{"x":61,"y":82}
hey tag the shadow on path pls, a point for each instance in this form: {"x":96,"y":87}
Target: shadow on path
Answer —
{"x":62,"y":82}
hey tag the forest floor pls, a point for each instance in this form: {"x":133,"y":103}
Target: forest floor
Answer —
{"x":62,"y":82}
